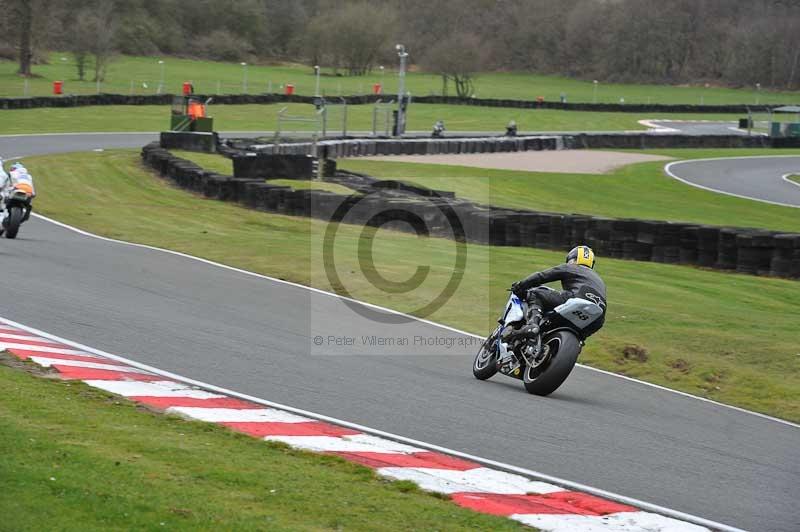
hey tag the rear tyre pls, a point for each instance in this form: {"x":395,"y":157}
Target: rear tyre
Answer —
{"x":545,"y":379}
{"x":12,"y":222}
{"x":485,"y":364}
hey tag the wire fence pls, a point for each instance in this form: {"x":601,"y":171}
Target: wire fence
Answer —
{"x":18,"y":87}
{"x":31,"y":87}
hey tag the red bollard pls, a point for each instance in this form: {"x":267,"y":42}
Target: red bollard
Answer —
{"x":289,"y":89}
{"x":187,"y":88}
{"x":377,"y":89}
{"x":58,"y":87}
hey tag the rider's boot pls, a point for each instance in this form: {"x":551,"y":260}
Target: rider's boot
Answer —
{"x":534,"y":319}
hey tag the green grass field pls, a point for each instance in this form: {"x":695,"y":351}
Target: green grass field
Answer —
{"x":265,"y":118}
{"x":130,"y":74}
{"x":640,"y":190}
{"x":700,"y":333}
{"x":76,"y":458}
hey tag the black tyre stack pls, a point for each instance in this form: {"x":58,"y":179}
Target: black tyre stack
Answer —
{"x":754,"y":253}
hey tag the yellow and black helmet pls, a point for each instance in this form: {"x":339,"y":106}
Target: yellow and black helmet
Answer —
{"x":582,"y":255}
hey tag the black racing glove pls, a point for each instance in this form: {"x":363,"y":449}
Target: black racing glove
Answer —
{"x":517,"y":289}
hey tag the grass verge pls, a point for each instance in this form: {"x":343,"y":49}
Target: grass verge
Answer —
{"x":76,"y":458}
{"x":130,"y":74}
{"x":264,"y":118}
{"x":640,"y":190}
{"x":729,"y":337}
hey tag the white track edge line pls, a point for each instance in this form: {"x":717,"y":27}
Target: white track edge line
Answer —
{"x":785,"y":177}
{"x":656,"y":128}
{"x":668,"y":170}
{"x":391,"y":311}
{"x":394,"y":437}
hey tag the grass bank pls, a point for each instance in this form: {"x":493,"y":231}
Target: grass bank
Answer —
{"x":421,"y":117}
{"x":725,"y":336}
{"x":142,"y":75}
{"x":76,"y":458}
{"x":640,"y":190}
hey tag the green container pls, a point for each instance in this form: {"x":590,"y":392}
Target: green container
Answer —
{"x":205,"y":124}
{"x":184,"y":123}
{"x":793,"y":129}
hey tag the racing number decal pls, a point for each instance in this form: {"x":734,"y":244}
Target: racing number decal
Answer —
{"x":581,"y":316}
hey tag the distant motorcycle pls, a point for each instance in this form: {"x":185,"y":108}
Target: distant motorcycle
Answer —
{"x":18,"y":208}
{"x":542,"y":357}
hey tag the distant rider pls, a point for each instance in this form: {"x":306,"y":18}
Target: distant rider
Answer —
{"x":17,"y":178}
{"x":5,"y":183}
{"x":578,"y":279}
{"x":4,"y":178}
{"x":21,"y":179}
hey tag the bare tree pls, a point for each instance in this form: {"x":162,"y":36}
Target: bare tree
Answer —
{"x":22,"y":13}
{"x":456,"y":58}
{"x":93,"y":36}
{"x":352,"y":35}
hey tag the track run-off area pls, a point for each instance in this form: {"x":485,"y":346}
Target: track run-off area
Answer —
{"x":255,"y":335}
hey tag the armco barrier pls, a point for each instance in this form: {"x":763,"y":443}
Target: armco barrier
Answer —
{"x":368,"y":99}
{"x":749,"y":251}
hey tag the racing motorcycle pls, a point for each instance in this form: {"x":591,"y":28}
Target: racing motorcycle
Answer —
{"x":541,"y":356}
{"x":18,"y":209}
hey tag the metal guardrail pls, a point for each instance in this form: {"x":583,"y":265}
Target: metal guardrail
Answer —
{"x":382,"y":118}
{"x":321,"y":120}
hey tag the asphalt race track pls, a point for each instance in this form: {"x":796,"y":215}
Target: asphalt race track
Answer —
{"x":256,"y":336}
{"x":700,"y":127}
{"x":757,"y":178}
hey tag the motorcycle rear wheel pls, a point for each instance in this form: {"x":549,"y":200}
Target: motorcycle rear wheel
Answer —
{"x":13,"y":221}
{"x":545,"y":379}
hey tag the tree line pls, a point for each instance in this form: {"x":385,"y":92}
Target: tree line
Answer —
{"x":721,"y":42}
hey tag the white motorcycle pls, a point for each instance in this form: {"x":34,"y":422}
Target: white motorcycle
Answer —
{"x":542,"y":357}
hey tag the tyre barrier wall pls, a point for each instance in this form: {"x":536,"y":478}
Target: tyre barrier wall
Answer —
{"x":341,"y":148}
{"x":749,"y":251}
{"x":261,"y":165}
{"x":189,"y":140}
{"x":368,"y":99}
{"x":661,"y":140}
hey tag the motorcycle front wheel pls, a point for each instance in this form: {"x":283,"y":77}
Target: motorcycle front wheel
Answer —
{"x":12,"y":222}
{"x":564,"y":348}
{"x":485,"y":364}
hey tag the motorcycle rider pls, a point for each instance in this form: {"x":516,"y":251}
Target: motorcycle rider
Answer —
{"x":17,"y":178}
{"x":5,"y":181}
{"x":21,"y":178}
{"x":578,"y":279}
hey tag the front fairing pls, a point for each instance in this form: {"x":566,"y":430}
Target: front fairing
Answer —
{"x":515,"y":311}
